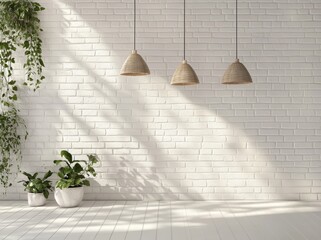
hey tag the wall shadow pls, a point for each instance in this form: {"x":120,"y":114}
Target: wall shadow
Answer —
{"x":234,"y":144}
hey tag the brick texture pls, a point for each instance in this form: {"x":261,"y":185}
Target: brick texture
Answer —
{"x":157,"y":141}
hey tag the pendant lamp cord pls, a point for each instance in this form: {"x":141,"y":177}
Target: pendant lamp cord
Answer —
{"x":236,"y":32}
{"x":184,"y":28}
{"x":134,"y":24}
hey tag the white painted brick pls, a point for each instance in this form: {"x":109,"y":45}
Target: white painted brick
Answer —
{"x":157,"y":141}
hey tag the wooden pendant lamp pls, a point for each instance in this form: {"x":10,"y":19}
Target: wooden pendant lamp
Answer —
{"x":134,"y":64}
{"x":184,"y":74}
{"x":236,"y":72}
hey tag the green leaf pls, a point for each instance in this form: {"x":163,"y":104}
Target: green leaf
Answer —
{"x":67,"y":171}
{"x":78,"y":181}
{"x":78,"y":168}
{"x":61,"y":175}
{"x":93,"y":158}
{"x":12,"y":82}
{"x":46,"y":194}
{"x":47,"y":175}
{"x":26,"y":44}
{"x":29,"y":176}
{"x":66,"y":155}
{"x":57,"y":162}
{"x":86,"y":182}
{"x":63,"y":183}
{"x":41,"y":62}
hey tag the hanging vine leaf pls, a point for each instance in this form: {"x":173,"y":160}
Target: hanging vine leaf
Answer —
{"x":20,"y":28}
{"x":11,"y":126}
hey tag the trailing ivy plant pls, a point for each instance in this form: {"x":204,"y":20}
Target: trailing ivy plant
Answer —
{"x":12,"y":132}
{"x":19,"y":30}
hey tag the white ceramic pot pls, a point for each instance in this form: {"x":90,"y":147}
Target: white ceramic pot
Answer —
{"x":36,"y":199}
{"x":69,"y":197}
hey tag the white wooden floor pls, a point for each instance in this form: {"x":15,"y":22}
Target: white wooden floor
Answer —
{"x":163,"y":221}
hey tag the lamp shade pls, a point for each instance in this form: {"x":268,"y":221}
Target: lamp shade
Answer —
{"x":134,"y":66}
{"x":236,"y":74}
{"x":184,"y":75}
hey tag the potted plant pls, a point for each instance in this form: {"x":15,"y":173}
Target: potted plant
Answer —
{"x":38,"y":188}
{"x":69,"y":189}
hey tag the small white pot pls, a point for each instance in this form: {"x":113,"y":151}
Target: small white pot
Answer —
{"x":36,"y":199}
{"x":69,"y":197}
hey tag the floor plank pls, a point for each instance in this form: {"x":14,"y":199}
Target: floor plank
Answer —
{"x":164,"y":223}
{"x":179,"y":221}
{"x":150,"y":223}
{"x":136,"y":226}
{"x":168,"y":220}
{"x":107,"y":229}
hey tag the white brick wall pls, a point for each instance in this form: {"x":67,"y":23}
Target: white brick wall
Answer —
{"x":157,"y":141}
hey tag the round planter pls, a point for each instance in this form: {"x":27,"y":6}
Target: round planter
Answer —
{"x":36,"y":199}
{"x":69,"y":197}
